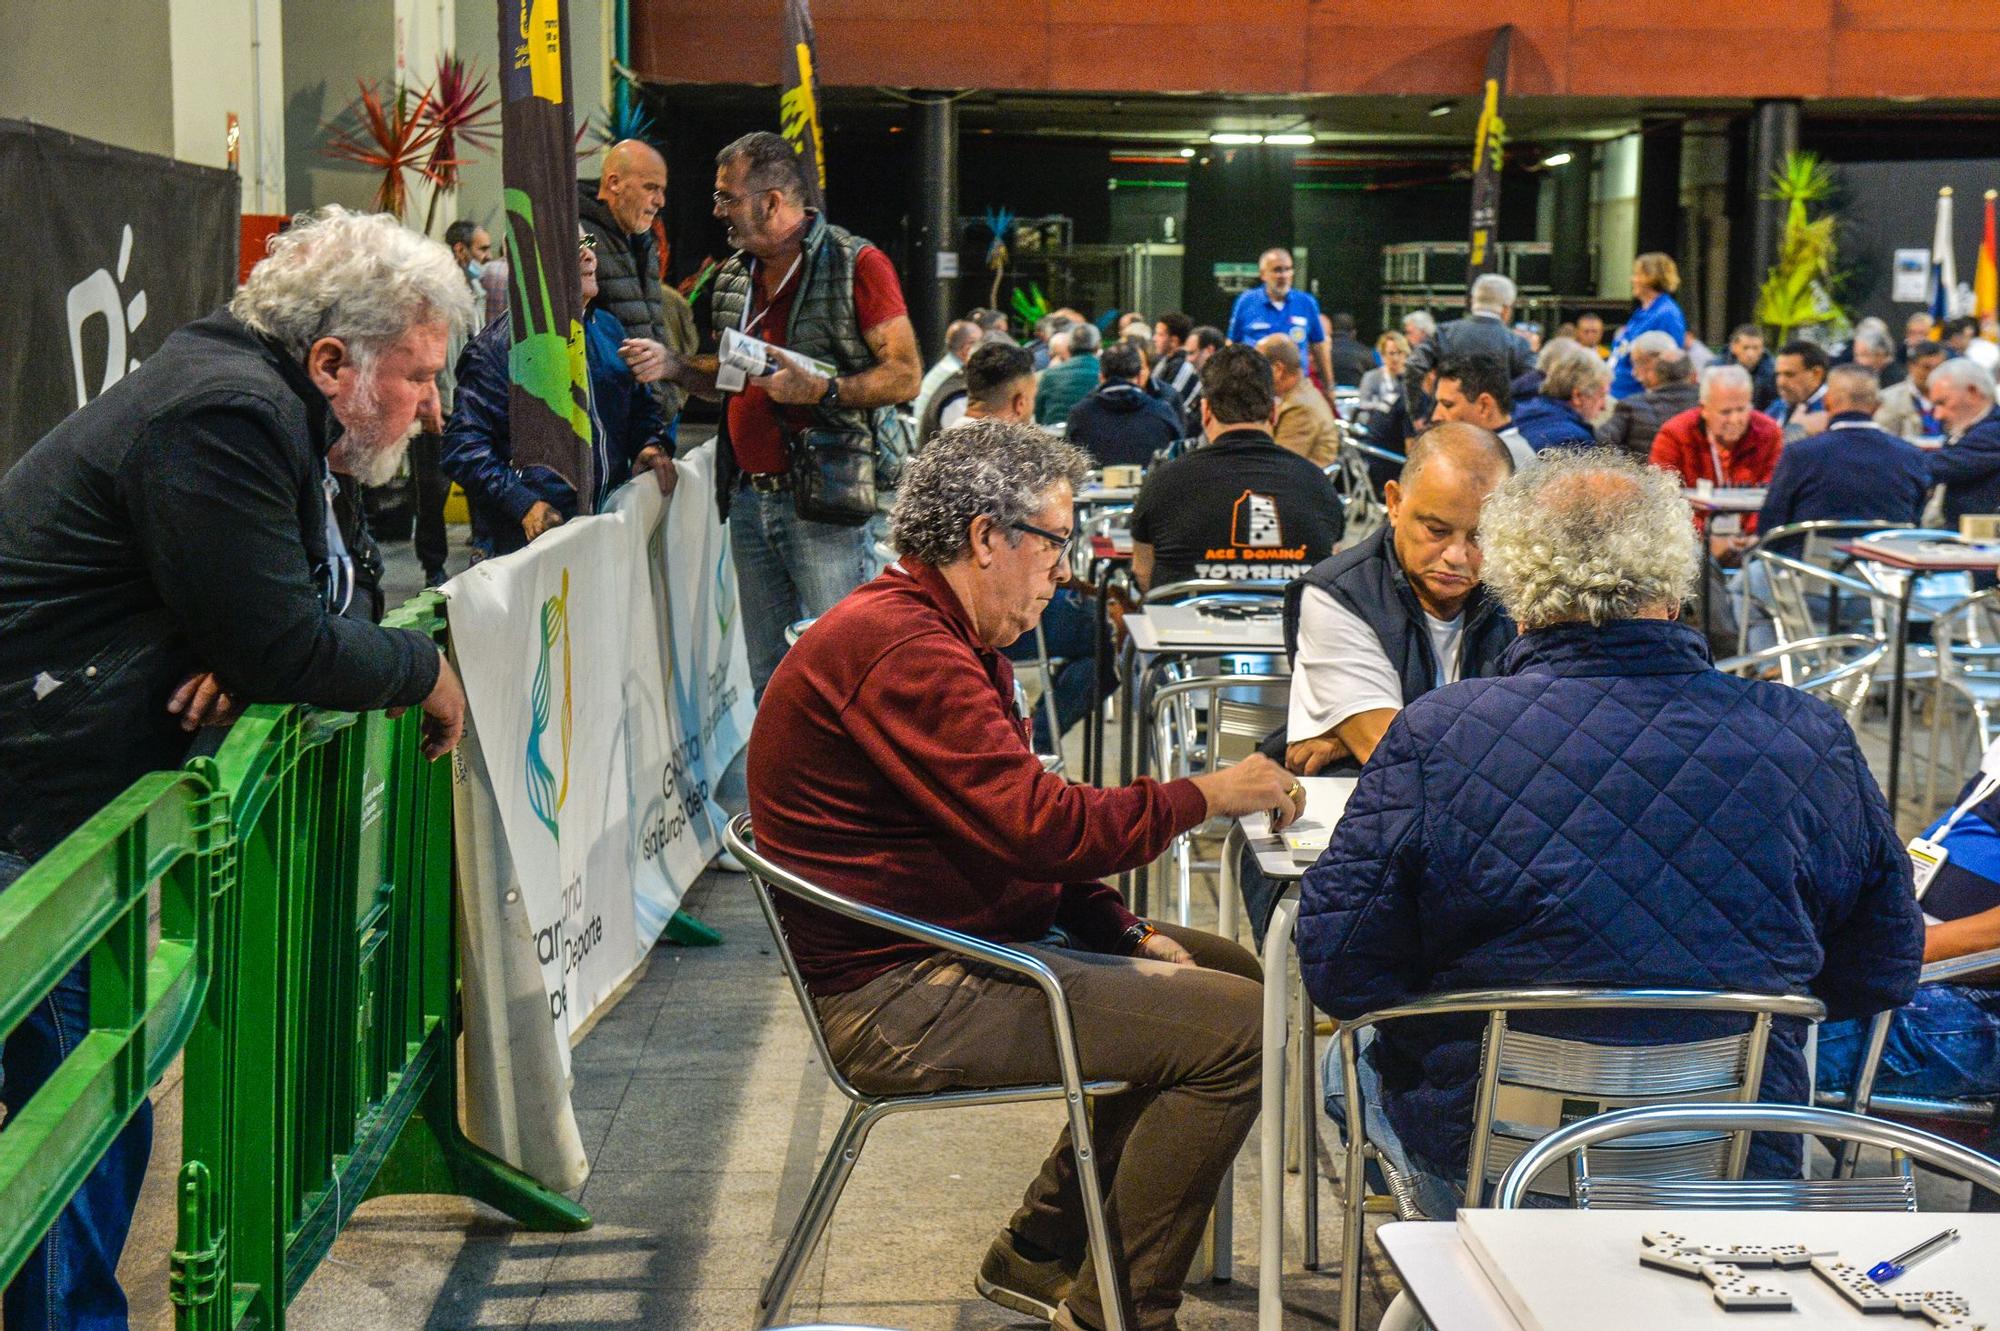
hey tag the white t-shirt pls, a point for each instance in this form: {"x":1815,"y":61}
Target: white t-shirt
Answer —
{"x":1342,"y":671}
{"x":1518,"y":446}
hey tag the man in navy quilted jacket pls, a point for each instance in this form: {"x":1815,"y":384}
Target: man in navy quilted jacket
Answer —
{"x":1608,"y":810}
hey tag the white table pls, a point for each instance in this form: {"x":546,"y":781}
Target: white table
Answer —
{"x":1326,"y":800}
{"x":1566,"y":1270}
{"x":1092,"y":496}
{"x":1215,"y":636}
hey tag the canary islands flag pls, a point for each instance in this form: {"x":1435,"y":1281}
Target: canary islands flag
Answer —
{"x":1944,"y":270}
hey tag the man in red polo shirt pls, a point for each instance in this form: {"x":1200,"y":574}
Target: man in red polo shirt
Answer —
{"x":889,"y":765}
{"x":796,"y":281}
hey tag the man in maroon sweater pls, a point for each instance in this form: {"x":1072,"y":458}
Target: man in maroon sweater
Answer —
{"x":889,"y":764}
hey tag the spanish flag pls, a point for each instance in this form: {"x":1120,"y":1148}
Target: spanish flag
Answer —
{"x":1986,"y":275}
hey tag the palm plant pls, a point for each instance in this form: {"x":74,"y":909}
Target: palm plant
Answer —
{"x":1799,"y":289}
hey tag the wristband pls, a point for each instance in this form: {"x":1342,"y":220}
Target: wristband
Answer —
{"x":830,"y":399}
{"x":1135,"y":937}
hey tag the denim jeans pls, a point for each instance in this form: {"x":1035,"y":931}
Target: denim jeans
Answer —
{"x":1437,"y":1195}
{"x":70,"y":1281}
{"x":787,"y":569}
{"x":1066,"y":626}
{"x":1944,"y":1046}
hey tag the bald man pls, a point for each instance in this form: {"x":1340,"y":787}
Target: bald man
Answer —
{"x":1276,"y":306}
{"x":617,"y":213}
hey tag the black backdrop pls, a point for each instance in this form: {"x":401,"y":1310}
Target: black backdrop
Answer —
{"x":107,"y":252}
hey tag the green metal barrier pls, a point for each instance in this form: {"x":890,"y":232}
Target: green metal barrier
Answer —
{"x":90,"y":897}
{"x":329,"y":1073}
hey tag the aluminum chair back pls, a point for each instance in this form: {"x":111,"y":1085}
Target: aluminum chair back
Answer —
{"x":1896,"y":1192}
{"x":1529,"y":1084}
{"x":1791,"y":581}
{"x":796,"y":630}
{"x":1362,"y":507}
{"x":1104,"y":522}
{"x":1934,"y":591}
{"x":1839,"y":667}
{"x":865,"y":1110}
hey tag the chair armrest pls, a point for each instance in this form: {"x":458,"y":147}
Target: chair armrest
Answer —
{"x":1961,"y":969}
{"x":1861,"y":642}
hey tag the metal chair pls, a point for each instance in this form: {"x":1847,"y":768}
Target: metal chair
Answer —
{"x":1360,"y":504}
{"x":1807,"y":547}
{"x":1529,"y":1083}
{"x":796,"y":630}
{"x":1839,"y":667}
{"x":865,"y":1110}
{"x":1894,"y":1192}
{"x":1966,"y":637}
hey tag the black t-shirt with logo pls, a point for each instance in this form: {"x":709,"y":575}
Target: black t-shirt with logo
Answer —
{"x":1238,"y":508}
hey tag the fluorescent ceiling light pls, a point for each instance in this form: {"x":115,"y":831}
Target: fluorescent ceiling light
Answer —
{"x":1558,"y":159}
{"x":1235,"y":139}
{"x":1441,"y":109}
{"x":1187,"y":152}
{"x":1291,"y":140}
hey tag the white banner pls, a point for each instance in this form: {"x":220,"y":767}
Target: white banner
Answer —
{"x":608,"y":691}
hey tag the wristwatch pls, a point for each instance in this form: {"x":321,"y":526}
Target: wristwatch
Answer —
{"x":1135,"y":937}
{"x":830,"y":399}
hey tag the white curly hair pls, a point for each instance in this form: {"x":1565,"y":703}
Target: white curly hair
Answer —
{"x":364,"y":278}
{"x":1587,"y":535}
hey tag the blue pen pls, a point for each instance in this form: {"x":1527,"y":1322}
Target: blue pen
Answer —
{"x":1883,"y":1272}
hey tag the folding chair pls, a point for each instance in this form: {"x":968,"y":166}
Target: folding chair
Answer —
{"x":1530,"y":1083}
{"x":865,"y":1110}
{"x":1839,"y":667}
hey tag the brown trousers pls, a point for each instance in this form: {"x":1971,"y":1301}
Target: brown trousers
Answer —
{"x":1187,"y":1038}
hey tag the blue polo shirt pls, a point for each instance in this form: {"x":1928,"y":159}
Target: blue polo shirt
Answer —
{"x":1255,"y":317}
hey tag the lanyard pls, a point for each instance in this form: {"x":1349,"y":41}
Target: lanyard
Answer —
{"x":1721,"y":476}
{"x":748,"y":323}
{"x":1987,"y":785}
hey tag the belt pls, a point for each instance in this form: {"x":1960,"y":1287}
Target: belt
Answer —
{"x":767,"y":482}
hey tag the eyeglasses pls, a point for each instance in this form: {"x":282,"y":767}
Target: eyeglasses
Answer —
{"x":585,"y":243}
{"x":725,"y":200}
{"x":1063,"y":544}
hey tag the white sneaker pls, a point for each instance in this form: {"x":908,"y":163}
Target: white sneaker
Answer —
{"x":728,"y":863}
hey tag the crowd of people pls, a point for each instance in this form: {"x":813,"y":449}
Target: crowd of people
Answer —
{"x":1502,"y":660}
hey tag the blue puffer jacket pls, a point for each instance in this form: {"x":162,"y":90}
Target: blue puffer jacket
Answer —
{"x":1610,"y":810}
{"x":1547,"y":423}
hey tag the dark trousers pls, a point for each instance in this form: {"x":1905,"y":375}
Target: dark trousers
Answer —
{"x":70,"y":1280}
{"x":1189,"y":1039}
{"x":432,"y":546}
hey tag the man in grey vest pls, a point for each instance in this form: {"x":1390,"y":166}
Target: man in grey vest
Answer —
{"x":617,"y":214}
{"x":796,"y":281}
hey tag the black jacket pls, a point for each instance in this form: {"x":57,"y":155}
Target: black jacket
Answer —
{"x":1635,"y":420}
{"x":177,"y":523}
{"x":1121,"y":424}
{"x":1474,"y":335}
{"x":1350,"y":360}
{"x":628,"y":281}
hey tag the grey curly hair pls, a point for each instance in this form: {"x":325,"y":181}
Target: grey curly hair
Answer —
{"x":978,"y":468}
{"x":1587,"y":535}
{"x":364,"y":278}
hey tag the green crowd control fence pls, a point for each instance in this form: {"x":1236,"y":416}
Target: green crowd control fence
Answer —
{"x":90,"y":897}
{"x":307,"y":963}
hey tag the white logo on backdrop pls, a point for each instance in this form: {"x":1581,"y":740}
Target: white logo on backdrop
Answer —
{"x":95,"y":296}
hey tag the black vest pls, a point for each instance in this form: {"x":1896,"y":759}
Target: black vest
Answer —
{"x":1368,"y":581}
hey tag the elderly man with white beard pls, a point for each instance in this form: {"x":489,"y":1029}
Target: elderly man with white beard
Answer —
{"x":169,"y":550}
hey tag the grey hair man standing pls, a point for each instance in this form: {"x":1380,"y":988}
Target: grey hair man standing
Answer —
{"x":169,"y":551}
{"x":1483,"y":332}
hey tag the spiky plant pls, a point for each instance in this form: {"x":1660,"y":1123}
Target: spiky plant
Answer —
{"x":391,"y":135}
{"x":463,"y":123}
{"x":1799,"y":289}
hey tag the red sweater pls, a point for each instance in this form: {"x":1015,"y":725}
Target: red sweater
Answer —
{"x":1682,"y":446}
{"x":888,"y":764}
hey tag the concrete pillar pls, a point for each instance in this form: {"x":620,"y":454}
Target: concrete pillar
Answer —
{"x":933,"y":276}
{"x":1774,"y":134}
{"x":1660,"y":188}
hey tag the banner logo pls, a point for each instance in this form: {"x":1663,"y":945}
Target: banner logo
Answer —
{"x":547,"y":793}
{"x":97,"y":295}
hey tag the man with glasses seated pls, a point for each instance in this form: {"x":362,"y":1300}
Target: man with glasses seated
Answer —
{"x":170,"y":550}
{"x":1608,"y":810}
{"x":889,"y":765}
{"x":510,"y":506}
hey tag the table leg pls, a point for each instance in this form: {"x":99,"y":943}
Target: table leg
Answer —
{"x":1227,"y":890}
{"x":1896,"y":694}
{"x":1271,"y":1126}
{"x":1093,"y":736}
{"x":1308,"y":1129}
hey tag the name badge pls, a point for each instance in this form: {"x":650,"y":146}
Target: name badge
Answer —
{"x":1926,"y":858}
